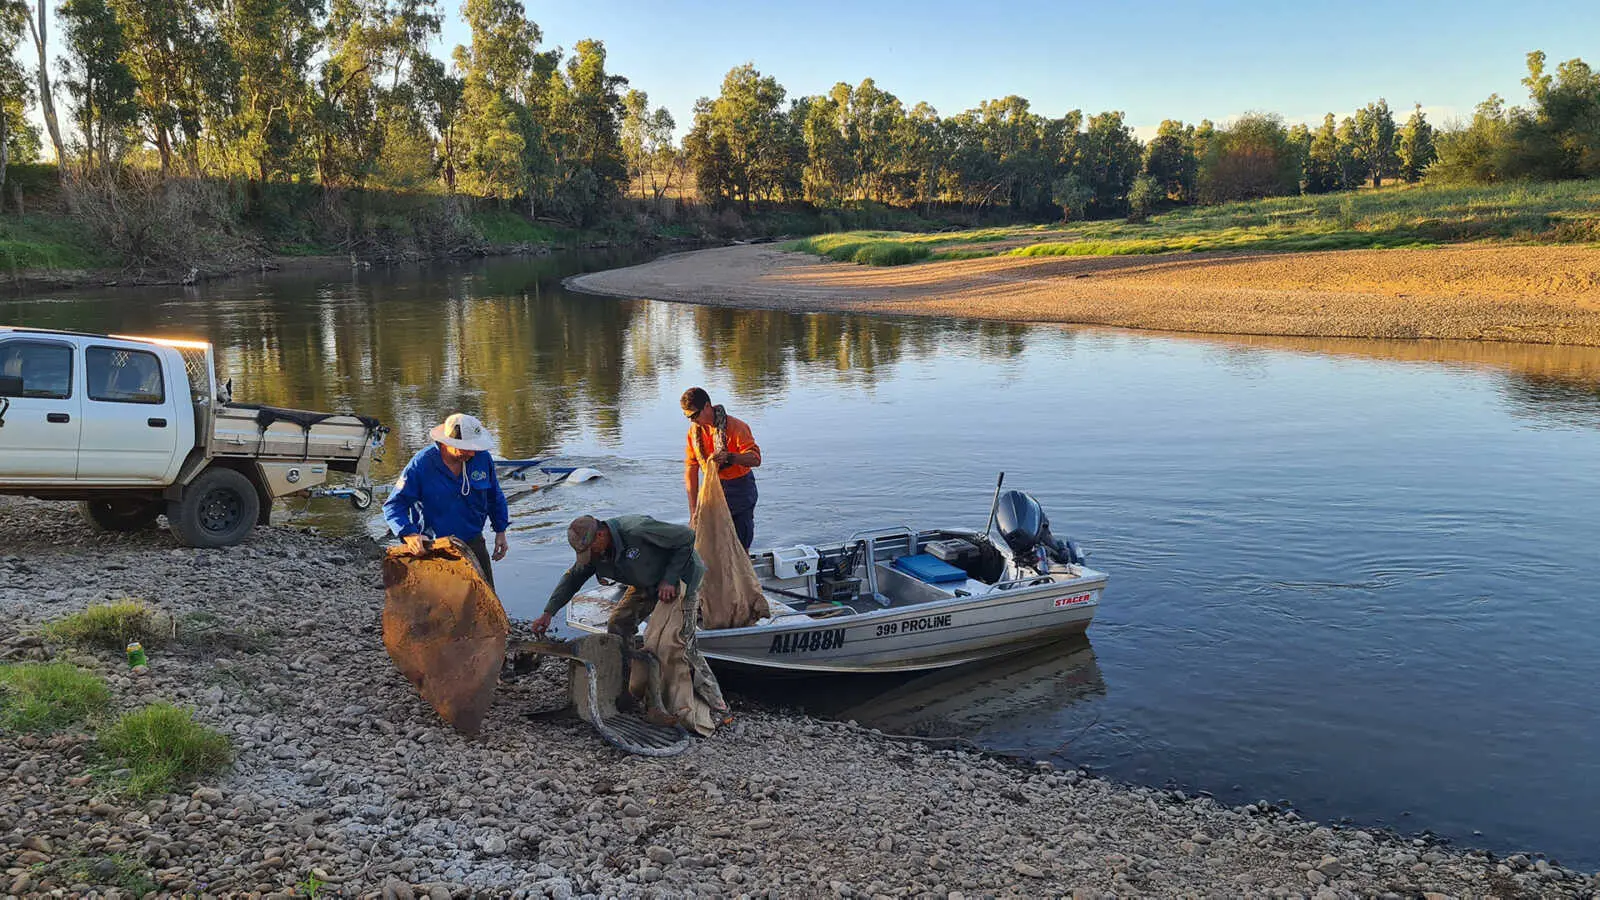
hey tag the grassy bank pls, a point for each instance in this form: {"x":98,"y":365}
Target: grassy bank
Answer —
{"x":140,"y":226}
{"x":1400,"y":216}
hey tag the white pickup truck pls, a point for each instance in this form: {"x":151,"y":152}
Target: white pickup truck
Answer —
{"x":136,"y":427}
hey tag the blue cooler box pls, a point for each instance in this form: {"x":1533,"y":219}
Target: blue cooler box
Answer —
{"x":929,"y":568}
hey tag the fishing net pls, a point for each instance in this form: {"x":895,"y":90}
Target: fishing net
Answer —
{"x":730,"y":594}
{"x":664,"y":636}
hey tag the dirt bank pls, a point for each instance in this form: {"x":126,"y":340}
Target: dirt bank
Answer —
{"x":1547,"y":295}
{"x":342,"y":773}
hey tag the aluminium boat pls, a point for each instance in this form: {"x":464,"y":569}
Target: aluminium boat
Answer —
{"x":903,"y":599}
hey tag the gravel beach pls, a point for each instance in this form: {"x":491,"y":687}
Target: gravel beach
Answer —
{"x":345,"y":782}
{"x":1533,"y":294}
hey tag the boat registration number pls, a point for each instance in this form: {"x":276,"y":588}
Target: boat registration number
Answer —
{"x":1074,"y":600}
{"x":807,"y":642}
{"x":907,"y":626}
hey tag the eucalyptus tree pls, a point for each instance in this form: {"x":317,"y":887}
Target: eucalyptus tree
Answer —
{"x":17,"y":138}
{"x":647,"y":144}
{"x":99,"y":82}
{"x":1560,"y":136}
{"x":1351,"y":161}
{"x":502,"y":71}
{"x":1109,"y":158}
{"x":184,"y":70}
{"x":1322,"y":170}
{"x":38,"y":22}
{"x":272,"y":43}
{"x":738,"y":143}
{"x":1169,"y":159}
{"x":1414,"y":150}
{"x":439,"y":98}
{"x":582,"y":136}
{"x":1374,"y":140}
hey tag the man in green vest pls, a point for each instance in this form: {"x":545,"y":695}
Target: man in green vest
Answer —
{"x":653,"y":559}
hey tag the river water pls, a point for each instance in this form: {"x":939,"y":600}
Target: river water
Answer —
{"x":1358,"y":576}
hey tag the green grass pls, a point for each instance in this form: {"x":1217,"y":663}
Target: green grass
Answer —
{"x":504,"y":227}
{"x":110,"y":626}
{"x":47,"y":242}
{"x":164,"y":747}
{"x":47,"y":696}
{"x":1399,"y":216}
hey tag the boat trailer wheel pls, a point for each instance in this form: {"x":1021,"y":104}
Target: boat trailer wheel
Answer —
{"x":361,"y":498}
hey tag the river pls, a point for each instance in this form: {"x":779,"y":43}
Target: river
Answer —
{"x":1354,"y":575}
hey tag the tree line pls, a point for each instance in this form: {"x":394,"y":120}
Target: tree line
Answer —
{"x":341,"y":93}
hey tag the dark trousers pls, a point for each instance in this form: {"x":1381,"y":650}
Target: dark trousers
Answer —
{"x":741,"y":494}
{"x":480,"y":549}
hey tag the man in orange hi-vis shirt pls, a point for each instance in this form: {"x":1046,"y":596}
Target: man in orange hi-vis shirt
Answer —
{"x":728,"y":442}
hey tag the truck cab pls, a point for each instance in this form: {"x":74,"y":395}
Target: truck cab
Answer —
{"x":97,"y":411}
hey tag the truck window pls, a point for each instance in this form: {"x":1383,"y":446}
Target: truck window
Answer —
{"x":117,"y":375}
{"x":36,"y":369}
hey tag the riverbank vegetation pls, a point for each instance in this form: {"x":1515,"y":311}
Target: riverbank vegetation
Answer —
{"x":1565,"y":212}
{"x":192,"y":138}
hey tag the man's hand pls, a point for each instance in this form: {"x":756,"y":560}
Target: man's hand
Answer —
{"x":541,"y":625}
{"x":500,"y":546}
{"x":667,"y":593}
{"x":694,"y":510}
{"x":416,"y":544}
{"x":721,"y":458}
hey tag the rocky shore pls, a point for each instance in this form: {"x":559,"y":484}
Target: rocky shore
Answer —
{"x":346,"y":784}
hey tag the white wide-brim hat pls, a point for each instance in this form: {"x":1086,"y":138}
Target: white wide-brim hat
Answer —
{"x":462,"y":432}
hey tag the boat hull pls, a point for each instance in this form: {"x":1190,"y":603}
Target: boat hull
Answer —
{"x":897,"y":639}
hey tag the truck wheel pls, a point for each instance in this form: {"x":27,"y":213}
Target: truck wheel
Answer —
{"x":121,"y":514}
{"x":218,"y":509}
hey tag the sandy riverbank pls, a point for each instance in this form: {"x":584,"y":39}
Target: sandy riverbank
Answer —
{"x":342,"y":772}
{"x":1537,"y":294}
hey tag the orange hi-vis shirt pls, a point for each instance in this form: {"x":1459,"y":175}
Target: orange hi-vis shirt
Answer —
{"x":740,"y":440}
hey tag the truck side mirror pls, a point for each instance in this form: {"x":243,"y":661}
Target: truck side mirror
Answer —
{"x":10,"y":386}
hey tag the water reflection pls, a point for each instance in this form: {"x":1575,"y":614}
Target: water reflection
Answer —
{"x":1558,"y":384}
{"x":505,"y":340}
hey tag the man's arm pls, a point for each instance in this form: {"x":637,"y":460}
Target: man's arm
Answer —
{"x":568,"y":586}
{"x":499,"y":511}
{"x":397,"y":506}
{"x":742,"y":447}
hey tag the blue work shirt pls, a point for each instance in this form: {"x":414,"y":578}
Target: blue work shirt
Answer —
{"x":428,"y":498}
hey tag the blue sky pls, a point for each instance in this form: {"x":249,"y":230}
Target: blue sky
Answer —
{"x":1153,"y":60}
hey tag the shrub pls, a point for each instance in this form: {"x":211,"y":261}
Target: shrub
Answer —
{"x":46,"y":696}
{"x":149,"y":220}
{"x":110,"y":626}
{"x":164,"y":746}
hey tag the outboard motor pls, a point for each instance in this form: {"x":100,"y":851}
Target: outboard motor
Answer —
{"x":1026,"y":530}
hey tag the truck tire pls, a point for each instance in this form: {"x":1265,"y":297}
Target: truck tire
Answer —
{"x":217,"y":509}
{"x":129,"y":514}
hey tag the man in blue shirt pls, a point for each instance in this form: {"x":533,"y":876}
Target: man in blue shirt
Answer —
{"x":448,"y":490}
